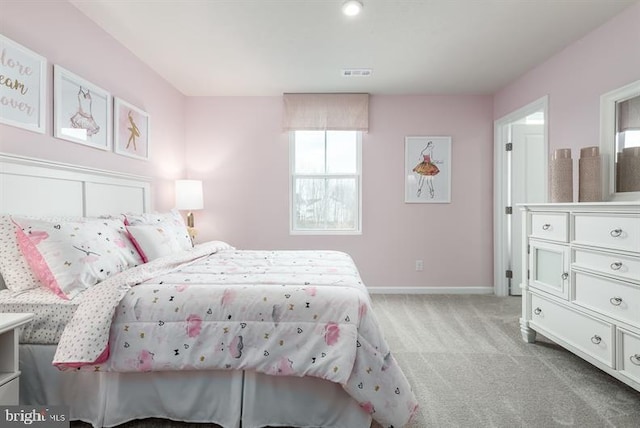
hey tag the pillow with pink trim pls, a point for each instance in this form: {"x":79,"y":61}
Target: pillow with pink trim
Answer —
{"x":171,"y":222}
{"x":155,"y":240}
{"x":69,"y":257}
{"x":14,"y":269}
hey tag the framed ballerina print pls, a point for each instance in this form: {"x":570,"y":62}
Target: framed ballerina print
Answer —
{"x":131,"y":130}
{"x":82,"y":110}
{"x":427,"y":170}
{"x":23,"y":86}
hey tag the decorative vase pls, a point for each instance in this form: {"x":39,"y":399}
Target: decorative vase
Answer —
{"x":561,"y":176}
{"x":590,"y":175}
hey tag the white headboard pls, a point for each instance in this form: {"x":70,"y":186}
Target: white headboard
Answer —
{"x":43,"y":188}
{"x":37,"y":187}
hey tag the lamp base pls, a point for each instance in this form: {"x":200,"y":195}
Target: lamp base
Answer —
{"x":193,"y":232}
{"x":190,"y":219}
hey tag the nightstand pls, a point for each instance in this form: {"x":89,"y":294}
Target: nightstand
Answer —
{"x":9,"y":370}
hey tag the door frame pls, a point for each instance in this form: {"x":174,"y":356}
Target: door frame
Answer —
{"x":501,"y":186}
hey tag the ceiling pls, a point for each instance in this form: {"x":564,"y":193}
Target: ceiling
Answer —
{"x":268,"y":47}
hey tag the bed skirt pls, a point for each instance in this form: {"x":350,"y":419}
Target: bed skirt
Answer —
{"x":231,"y":399}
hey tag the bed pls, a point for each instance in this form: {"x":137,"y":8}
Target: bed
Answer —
{"x":243,"y":338}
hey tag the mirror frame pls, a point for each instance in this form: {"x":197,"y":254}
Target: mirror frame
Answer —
{"x":608,"y":141}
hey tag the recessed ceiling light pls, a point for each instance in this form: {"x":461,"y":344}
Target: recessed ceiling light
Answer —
{"x":352,"y":7}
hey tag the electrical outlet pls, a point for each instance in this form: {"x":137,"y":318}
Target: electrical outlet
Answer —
{"x":419,"y":265}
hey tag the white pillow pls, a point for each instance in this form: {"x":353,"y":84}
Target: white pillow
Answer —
{"x":155,"y":240}
{"x":14,"y":269}
{"x":69,"y":257}
{"x":171,"y":222}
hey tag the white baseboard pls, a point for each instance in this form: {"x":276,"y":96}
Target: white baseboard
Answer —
{"x":430,"y":290}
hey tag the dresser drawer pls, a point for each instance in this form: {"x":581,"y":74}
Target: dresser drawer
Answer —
{"x":591,"y":336}
{"x":552,"y":226}
{"x":624,"y":267}
{"x":629,"y":354}
{"x":618,"y":300}
{"x":619,"y":232}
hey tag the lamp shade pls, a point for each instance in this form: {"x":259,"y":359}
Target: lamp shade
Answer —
{"x":189,"y":195}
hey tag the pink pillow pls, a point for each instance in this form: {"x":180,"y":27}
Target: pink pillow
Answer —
{"x":69,"y":257}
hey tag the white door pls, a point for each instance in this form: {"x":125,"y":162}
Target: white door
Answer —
{"x":520,"y":176}
{"x":528,"y":185}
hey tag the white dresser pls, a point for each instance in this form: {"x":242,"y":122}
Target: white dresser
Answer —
{"x":9,"y":371}
{"x":581,"y":282}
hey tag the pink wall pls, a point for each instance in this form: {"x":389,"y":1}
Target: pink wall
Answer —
{"x":63,"y":35}
{"x":574,"y":79}
{"x":236,"y":145}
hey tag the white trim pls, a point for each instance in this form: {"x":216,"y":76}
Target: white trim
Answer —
{"x":430,"y":290}
{"x":357,"y":176}
{"x":28,"y":161}
{"x":88,"y":178}
{"x":607,"y":140}
{"x":499,"y":185}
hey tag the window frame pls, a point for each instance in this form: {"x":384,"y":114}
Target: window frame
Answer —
{"x":292,"y":179}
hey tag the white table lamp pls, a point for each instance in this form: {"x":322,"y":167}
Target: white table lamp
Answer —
{"x":189,"y":197}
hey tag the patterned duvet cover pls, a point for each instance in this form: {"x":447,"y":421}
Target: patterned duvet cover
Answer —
{"x":290,"y":313}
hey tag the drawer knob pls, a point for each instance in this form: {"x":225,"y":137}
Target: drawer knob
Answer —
{"x":616,"y":301}
{"x":565,"y":275}
{"x":616,"y":232}
{"x":596,"y":339}
{"x":635,"y":359}
{"x":546,"y":226}
{"x":616,"y":265}
{"x":537,"y":311}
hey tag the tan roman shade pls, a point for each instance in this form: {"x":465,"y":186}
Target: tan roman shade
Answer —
{"x":629,"y":115}
{"x":336,"y":112}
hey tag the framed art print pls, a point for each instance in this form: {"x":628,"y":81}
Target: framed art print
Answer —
{"x":23,"y":78}
{"x":427,"y":169}
{"x":82,"y":110}
{"x":131,"y":130}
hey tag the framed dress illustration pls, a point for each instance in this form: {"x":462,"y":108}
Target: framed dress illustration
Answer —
{"x":23,"y":80}
{"x":131,"y":130}
{"x":427,"y":174}
{"x":82,"y":110}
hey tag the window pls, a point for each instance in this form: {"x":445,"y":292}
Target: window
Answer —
{"x":628,"y":138}
{"x":326,"y":182}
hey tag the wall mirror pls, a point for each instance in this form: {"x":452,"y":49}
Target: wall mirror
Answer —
{"x":620,"y":143}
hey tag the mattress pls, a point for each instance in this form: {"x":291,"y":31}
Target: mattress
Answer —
{"x":51,"y":313}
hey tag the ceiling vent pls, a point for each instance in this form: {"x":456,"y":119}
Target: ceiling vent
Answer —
{"x":356,"y":72}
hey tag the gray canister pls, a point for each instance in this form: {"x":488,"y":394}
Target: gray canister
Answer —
{"x":590,"y":175}
{"x":561,"y":176}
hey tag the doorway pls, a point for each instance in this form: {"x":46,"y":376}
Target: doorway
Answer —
{"x":520,"y":176}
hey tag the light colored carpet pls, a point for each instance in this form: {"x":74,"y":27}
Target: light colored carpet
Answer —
{"x":469,"y":367}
